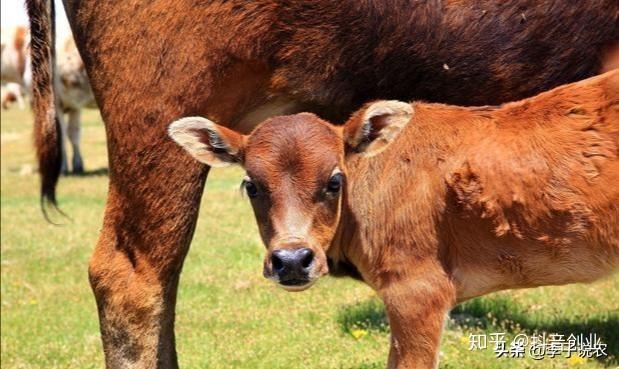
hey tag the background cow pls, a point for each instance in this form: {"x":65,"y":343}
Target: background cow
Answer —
{"x":14,"y":54}
{"x":74,"y":94}
{"x":72,"y":87}
{"x":434,"y":204}
{"x":239,"y":62}
{"x":14,"y":63}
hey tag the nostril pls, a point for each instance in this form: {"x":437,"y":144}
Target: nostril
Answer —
{"x":276,"y":262}
{"x":307,"y":256}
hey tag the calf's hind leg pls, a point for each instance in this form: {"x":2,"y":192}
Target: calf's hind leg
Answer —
{"x":134,"y":271}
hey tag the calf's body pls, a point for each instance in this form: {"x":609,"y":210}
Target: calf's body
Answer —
{"x":469,"y":201}
{"x":434,"y":204}
{"x":520,"y":195}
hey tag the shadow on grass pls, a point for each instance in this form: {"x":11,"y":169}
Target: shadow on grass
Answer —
{"x":90,"y":173}
{"x":368,"y":315}
{"x":497,"y":314}
{"x":506,"y":315}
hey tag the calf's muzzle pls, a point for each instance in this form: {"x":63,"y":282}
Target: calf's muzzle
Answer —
{"x":292,"y":266}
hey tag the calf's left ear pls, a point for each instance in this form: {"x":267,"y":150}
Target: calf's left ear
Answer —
{"x":375,"y":126}
{"x":208,"y":142}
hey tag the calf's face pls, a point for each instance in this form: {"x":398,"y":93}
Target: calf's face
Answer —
{"x":295,"y":178}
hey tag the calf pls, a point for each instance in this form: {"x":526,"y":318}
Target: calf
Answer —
{"x":433,"y":204}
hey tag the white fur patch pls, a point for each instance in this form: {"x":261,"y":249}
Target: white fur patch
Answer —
{"x":185,"y":133}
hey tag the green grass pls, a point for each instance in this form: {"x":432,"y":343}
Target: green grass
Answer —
{"x":228,"y":316}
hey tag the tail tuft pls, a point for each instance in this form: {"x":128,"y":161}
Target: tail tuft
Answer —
{"x":47,"y":137}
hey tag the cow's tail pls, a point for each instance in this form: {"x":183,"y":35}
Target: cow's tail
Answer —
{"x":47,"y":136}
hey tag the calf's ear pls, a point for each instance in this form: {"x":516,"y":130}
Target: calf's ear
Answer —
{"x":376,"y":125}
{"x":208,"y":142}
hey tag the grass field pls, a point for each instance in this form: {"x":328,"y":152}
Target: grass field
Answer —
{"x":228,"y":316}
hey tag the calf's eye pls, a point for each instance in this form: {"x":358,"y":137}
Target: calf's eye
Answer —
{"x":250,"y":188}
{"x":335,"y":183}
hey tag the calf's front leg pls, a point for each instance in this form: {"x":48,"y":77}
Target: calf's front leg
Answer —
{"x":416,"y":307}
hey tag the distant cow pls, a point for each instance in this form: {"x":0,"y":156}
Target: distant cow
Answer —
{"x":14,"y":54}
{"x":239,"y":62}
{"x":14,"y":60}
{"x":72,"y":86}
{"x":434,"y":204}
{"x":74,"y":94}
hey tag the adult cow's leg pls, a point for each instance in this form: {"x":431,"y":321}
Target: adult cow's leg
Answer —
{"x":134,"y":272}
{"x":150,"y":63}
{"x":74,"y":133}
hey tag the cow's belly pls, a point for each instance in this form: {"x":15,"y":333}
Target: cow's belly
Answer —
{"x":77,"y":98}
{"x":582,"y":264}
{"x":274,"y":107}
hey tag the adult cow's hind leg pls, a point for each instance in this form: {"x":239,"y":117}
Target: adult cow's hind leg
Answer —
{"x":134,"y":272}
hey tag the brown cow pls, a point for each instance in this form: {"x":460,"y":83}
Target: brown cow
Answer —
{"x":237,"y":61}
{"x":464,"y":202}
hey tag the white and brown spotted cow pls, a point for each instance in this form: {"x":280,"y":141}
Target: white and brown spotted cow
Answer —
{"x":14,"y":45}
{"x":74,"y":94}
{"x":71,"y":85}
{"x":13,"y":60}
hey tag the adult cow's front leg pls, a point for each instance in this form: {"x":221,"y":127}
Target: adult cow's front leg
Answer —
{"x":416,"y":307}
{"x":149,"y":221}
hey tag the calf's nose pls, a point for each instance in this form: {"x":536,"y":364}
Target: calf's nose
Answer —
{"x":292,"y":265}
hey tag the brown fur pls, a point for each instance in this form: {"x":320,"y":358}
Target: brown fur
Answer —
{"x":463,"y":202}
{"x":46,"y":123}
{"x":149,"y":65}
{"x":519,"y":196}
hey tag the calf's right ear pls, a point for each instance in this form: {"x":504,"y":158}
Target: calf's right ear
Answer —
{"x":207,"y":142}
{"x":371,"y":129}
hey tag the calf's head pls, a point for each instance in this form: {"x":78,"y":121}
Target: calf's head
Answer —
{"x":295,"y":177}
